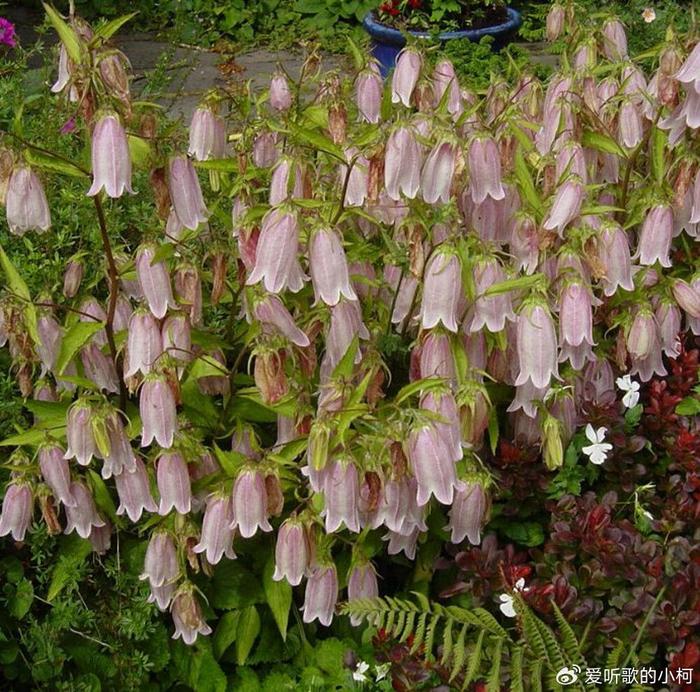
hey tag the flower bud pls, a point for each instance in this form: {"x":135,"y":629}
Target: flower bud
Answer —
{"x":176,"y":337}
{"x":188,"y":290}
{"x":614,"y":40}
{"x":362,"y":583}
{"x":83,"y":516}
{"x":186,"y":194}
{"x":111,"y":160}
{"x":280,"y":94}
{"x":555,"y":22}
{"x":173,"y":484}
{"x":207,"y":135}
{"x":187,"y":617}
{"x":16,"y":510}
{"x":687,"y":296}
{"x":630,"y":128}
{"x":72,"y":278}
{"x":368,"y":93}
{"x":55,"y":471}
{"x":49,"y":344}
{"x":113,"y":71}
{"x":249,"y":503}
{"x":272,"y":313}
{"x":154,"y":281}
{"x":25,"y":202}
{"x":321,"y":595}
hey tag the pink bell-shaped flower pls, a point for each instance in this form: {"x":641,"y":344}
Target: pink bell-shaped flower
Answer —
{"x":689,"y":72}
{"x":614,"y":40}
{"x":144,"y":343}
{"x":292,"y":552}
{"x":668,"y":318}
{"x":158,"y":412}
{"x":433,"y":466}
{"x":216,"y":539}
{"x":642,"y":336}
{"x":49,"y":344}
{"x":576,"y":324}
{"x":490,"y":311}
{"x":346,"y":324}
{"x":615,"y":257}
{"x":630,"y":128}
{"x":207,"y":135}
{"x":368,"y":93}
{"x":276,"y":261}
{"x":402,"y":164}
{"x":133,"y":488}
{"x":442,"y":291}
{"x":173,"y":481}
{"x":329,"y":268}
{"x":81,"y":443}
{"x":82,"y":517}
{"x":405,"y":77}
{"x":362,"y":583}
{"x":443,"y":404}
{"x":111,"y":160}
{"x":435,"y":357}
{"x":187,"y":617}
{"x":154,"y":281}
{"x":687,"y":296}
{"x":485,"y":170}
{"x":249,"y":502}
{"x":265,"y":152}
{"x":55,"y":471}
{"x":468,"y":513}
{"x":357,"y":185}
{"x":537,"y":346}
{"x":186,"y":193}
{"x":119,"y":456}
{"x":160,"y":565}
{"x":445,"y":80}
{"x":321,"y":595}
{"x":280,"y":94}
{"x":555,"y":23}
{"x":99,"y":368}
{"x":341,"y":492}
{"x":566,"y":205}
{"x":655,"y":237}
{"x":176,"y":337}
{"x":437,"y":172}
{"x":287,"y":181}
{"x":26,"y":206}
{"x":16,"y":513}
{"x":272,"y":313}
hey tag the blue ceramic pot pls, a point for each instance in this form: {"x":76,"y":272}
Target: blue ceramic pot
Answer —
{"x":388,"y":42}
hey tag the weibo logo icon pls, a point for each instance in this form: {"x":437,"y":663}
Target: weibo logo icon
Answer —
{"x":568,"y":676}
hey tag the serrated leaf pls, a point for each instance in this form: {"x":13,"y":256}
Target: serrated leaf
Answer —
{"x":65,"y":33}
{"x":247,"y":632}
{"x":225,"y":633}
{"x":279,"y":597}
{"x":75,"y":338}
{"x":602,"y":142}
{"x":345,"y":366}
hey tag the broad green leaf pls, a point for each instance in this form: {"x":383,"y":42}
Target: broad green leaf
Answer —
{"x":106,"y":31}
{"x":65,"y":33}
{"x":34,"y":436}
{"x":248,"y":630}
{"x":601,"y":142}
{"x":21,"y":602}
{"x":279,"y":597}
{"x":47,"y":162}
{"x":19,"y":287}
{"x":140,"y":151}
{"x":427,"y":384}
{"x":520,"y":283}
{"x":315,"y":115}
{"x":230,"y":460}
{"x":318,"y":141}
{"x":527,"y":186}
{"x":223,"y":165}
{"x":76,"y":337}
{"x":103,"y":499}
{"x":234,"y":587}
{"x":225,"y":633}
{"x":345,"y":366}
{"x":72,"y":553}
{"x":690,"y":406}
{"x":205,"y":674}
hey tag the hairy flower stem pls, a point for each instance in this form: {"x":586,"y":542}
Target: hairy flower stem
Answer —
{"x":113,"y":275}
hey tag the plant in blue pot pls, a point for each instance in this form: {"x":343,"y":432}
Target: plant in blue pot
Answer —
{"x":441,"y":20}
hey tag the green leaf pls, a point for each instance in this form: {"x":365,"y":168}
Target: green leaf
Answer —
{"x":139,"y":150}
{"x":527,"y":186}
{"x":318,"y":141}
{"x":103,"y":499}
{"x":508,"y":285}
{"x":33,"y":437}
{"x":76,"y":337}
{"x":19,"y":287}
{"x":248,"y":630}
{"x":20,"y":604}
{"x":633,"y":416}
{"x":427,"y":384}
{"x":72,"y":553}
{"x":347,"y":362}
{"x":279,"y":597}
{"x":223,"y":165}
{"x":65,"y":33}
{"x":493,"y":429}
{"x":601,"y":142}
{"x":48,"y":162}
{"x":690,"y":406}
{"x":528,"y":533}
{"x":358,"y":56}
{"x":234,"y":586}
{"x":106,"y":31}
{"x":225,"y":633}
{"x":205,"y":674}
{"x":659,"y":139}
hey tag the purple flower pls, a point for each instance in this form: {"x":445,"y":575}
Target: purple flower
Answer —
{"x":173,"y":484}
{"x":402,"y":164}
{"x":537,"y":346}
{"x":186,"y":194}
{"x":615,"y":256}
{"x":16,"y":510}
{"x":68,"y":126}
{"x":134,"y":491}
{"x":154,"y":281}
{"x":436,"y":174}
{"x":405,"y":76}
{"x":55,"y":471}
{"x":346,"y":324}
{"x":468,"y":513}
{"x":272,"y":313}
{"x":362,"y":583}
{"x":321,"y":595}
{"x":158,"y":412}
{"x":82,"y":517}
{"x":490,"y":311}
{"x":249,"y":503}
{"x":207,"y":135}
{"x":485,"y":170}
{"x":576,"y":324}
{"x":442,"y":291}
{"x":291,"y":552}
{"x":8,"y":37}
{"x":368,"y":93}
{"x":111,"y":161}
{"x":655,"y":237}
{"x":26,"y":206}
{"x":81,"y":443}
{"x":144,"y":343}
{"x":217,"y":535}
{"x":432,"y":463}
{"x":566,"y":205}
{"x":340,"y":490}
{"x":187,"y":617}
{"x":160,"y":565}
{"x":280,"y":94}
{"x":118,"y":456}
{"x":445,"y":80}
{"x":329,"y":268}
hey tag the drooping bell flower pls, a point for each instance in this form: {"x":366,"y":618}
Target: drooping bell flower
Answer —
{"x":615,"y":257}
{"x":160,"y":564}
{"x":687,"y":296}
{"x":435,"y":357}
{"x":614,"y":40}
{"x":431,"y":461}
{"x":55,"y":472}
{"x":436,"y":174}
{"x":81,"y":443}
{"x":576,"y":324}
{"x":286,"y":174}
{"x":207,"y":135}
{"x":269,"y":374}
{"x":402,"y":543}
{"x":556,"y":19}
{"x":443,"y":405}
{"x":113,"y":71}
{"x":527,"y":399}
{"x":134,"y":491}
{"x":99,"y":368}
{"x":173,"y":484}
{"x":63,"y":76}
{"x":402,"y":164}
{"x":329,"y":268}
{"x":49,"y":344}
{"x":341,"y":491}
{"x":405,"y":77}
{"x":630,"y":129}
{"x":468,"y":513}
{"x":72,"y":278}
{"x":537,"y":346}
{"x":101,"y":538}
{"x":82,"y":516}
{"x":265,"y":152}
{"x":292,"y":554}
{"x":176,"y":337}
{"x":566,"y":205}
{"x":490,"y":311}
{"x":485,"y":170}
{"x":280,"y":94}
{"x":272,"y":313}
{"x":571,"y":161}
{"x":26,"y":206}
{"x":217,"y":535}
{"x":215,"y":385}
{"x":362,"y":583}
{"x":346,"y":323}
{"x":249,"y":503}
{"x":276,"y":262}
{"x":668,"y":318}
{"x":689,"y":73}
{"x":158,"y":412}
{"x":144,"y":343}
{"x":442,"y":291}
{"x":356,"y":190}
{"x":118,"y":456}
{"x":445,"y":80}
{"x":187,"y":617}
{"x":16,"y":513}
{"x":188,"y":291}
{"x":642,"y":336}
{"x":154,"y":281}
{"x":368,"y":93}
{"x":321,"y":595}
{"x":655,"y":236}
{"x":186,"y":194}
{"x":111,"y":161}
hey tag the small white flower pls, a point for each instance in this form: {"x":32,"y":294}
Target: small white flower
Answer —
{"x":648,"y":515}
{"x":382,"y":671}
{"x":631,"y":388}
{"x":648,"y":15}
{"x":359,"y":674}
{"x":598,"y":450}
{"x":507,"y":599}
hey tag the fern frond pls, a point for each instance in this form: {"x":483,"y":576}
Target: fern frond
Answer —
{"x":494,"y":681}
{"x":474,"y":660}
{"x":460,"y":653}
{"x":446,"y":641}
{"x":516,"y":669}
{"x":570,"y":643}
